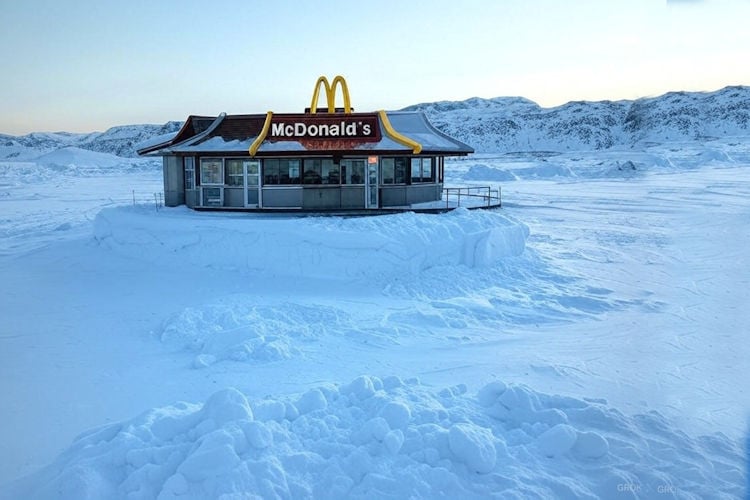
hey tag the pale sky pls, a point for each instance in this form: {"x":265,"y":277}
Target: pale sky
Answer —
{"x":87,"y":65}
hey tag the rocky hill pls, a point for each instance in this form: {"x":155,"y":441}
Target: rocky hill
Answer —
{"x":500,"y":124}
{"x":119,"y":141}
{"x":517,"y":124}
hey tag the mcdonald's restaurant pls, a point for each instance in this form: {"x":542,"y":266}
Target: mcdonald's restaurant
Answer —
{"x":319,"y":160}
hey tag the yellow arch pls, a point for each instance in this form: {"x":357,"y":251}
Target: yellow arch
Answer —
{"x":262,"y":136}
{"x":316,"y":93}
{"x":330,"y":90}
{"x":416,"y":147}
{"x":339,"y":80}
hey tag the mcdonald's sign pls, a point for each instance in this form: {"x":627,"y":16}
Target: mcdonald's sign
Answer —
{"x":330,"y":89}
{"x":331,"y":128}
{"x":361,"y":126}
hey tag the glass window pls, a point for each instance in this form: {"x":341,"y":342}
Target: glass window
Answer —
{"x":289,"y":171}
{"x":387,"y":165}
{"x":189,"y":163}
{"x":416,"y":170}
{"x":330,"y":172}
{"x":234,"y":174}
{"x":253,"y":171}
{"x":400,"y":170}
{"x":320,"y":171}
{"x":313,"y":173}
{"x":352,"y":171}
{"x":212,"y":172}
{"x":282,"y":171}
{"x":270,"y":171}
{"x":422,"y":170}
{"x":212,"y":197}
{"x":427,"y":172}
{"x":358,"y":172}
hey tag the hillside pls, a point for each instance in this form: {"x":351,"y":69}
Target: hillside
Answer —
{"x":119,"y":141}
{"x":500,"y":124}
{"x":504,"y":124}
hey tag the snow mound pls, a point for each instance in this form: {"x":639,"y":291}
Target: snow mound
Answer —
{"x":239,"y":329}
{"x":73,"y":156}
{"x":376,"y":438}
{"x":72,"y":162}
{"x":328,"y":247}
{"x":483,"y":172}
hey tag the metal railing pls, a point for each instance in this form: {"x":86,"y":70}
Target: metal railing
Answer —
{"x":472,"y":197}
{"x":141,"y":199}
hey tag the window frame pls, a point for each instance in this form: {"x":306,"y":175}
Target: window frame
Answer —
{"x":419,"y":162}
{"x":320,"y":171}
{"x":188,"y":163}
{"x":240,"y":162}
{"x":347,"y":164}
{"x":400,"y":164}
{"x":204,"y":169}
{"x":283,"y":169}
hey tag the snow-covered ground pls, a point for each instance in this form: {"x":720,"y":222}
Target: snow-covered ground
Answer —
{"x":587,"y":340}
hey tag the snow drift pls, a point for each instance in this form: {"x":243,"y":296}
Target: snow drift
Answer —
{"x":390,"y":438}
{"x":630,"y":285}
{"x":328,"y":247}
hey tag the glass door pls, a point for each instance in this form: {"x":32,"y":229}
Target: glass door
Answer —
{"x":371,"y":183}
{"x":253,"y":193}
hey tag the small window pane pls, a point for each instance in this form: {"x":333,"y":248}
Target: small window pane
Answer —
{"x":388,"y":165}
{"x":189,"y":163}
{"x":357,"y":171}
{"x":312,"y":173}
{"x":212,"y":171}
{"x":329,"y":172}
{"x":289,"y":171}
{"x":400,"y":170}
{"x":427,"y":172}
{"x":253,"y":166}
{"x":234,"y":173}
{"x":348,"y":175}
{"x":416,"y":167}
{"x":270,"y":171}
{"x":212,"y":197}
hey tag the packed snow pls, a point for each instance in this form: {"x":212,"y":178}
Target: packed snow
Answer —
{"x":587,"y":340}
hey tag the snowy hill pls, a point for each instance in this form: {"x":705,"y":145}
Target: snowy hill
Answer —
{"x":510,"y":124}
{"x":500,"y":124}
{"x":119,"y":141}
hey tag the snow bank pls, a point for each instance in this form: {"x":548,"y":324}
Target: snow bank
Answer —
{"x":82,"y":162}
{"x":72,"y":163}
{"x":73,"y":156}
{"x":238,"y":328}
{"x":376,"y":438}
{"x":330,"y":247}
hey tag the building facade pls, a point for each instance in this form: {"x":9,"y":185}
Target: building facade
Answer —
{"x":333,"y":160}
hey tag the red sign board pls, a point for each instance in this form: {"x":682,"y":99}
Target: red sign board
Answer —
{"x":359,"y":127}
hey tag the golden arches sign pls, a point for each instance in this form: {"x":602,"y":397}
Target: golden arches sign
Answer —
{"x":330,"y":89}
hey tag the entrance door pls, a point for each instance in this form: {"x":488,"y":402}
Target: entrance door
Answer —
{"x":253,"y":194}
{"x":371,"y":183}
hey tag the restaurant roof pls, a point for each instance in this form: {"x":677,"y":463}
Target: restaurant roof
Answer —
{"x":235,"y":134}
